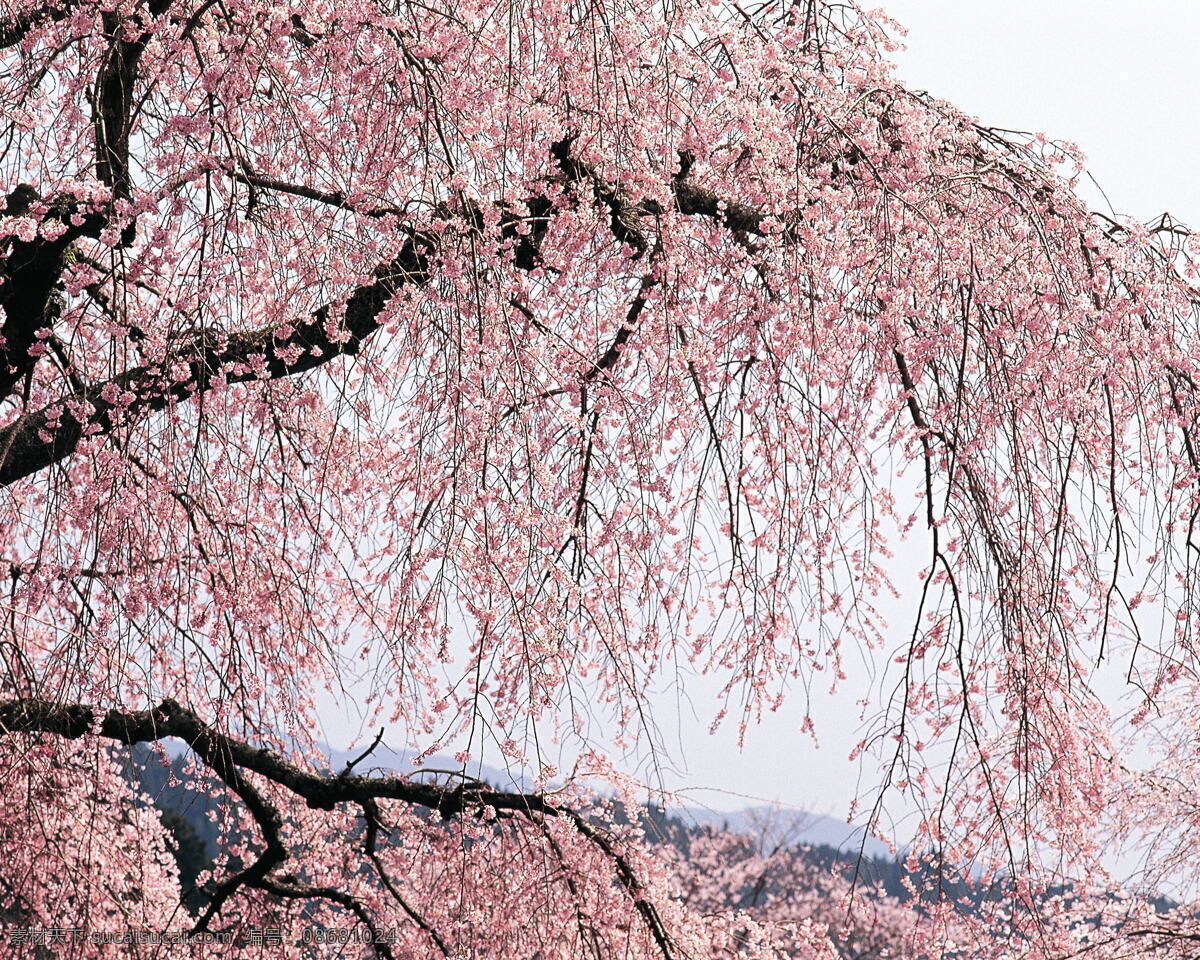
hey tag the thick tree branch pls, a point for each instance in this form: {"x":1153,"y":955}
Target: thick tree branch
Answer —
{"x":625,"y":216}
{"x":112,"y":103}
{"x":690,"y":199}
{"x":698,"y":202}
{"x":230,"y":759}
{"x":15,"y":28}
{"x":213,"y":749}
{"x":30,"y":274}
{"x":46,"y":436}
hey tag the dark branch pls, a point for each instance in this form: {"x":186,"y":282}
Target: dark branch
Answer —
{"x":112,"y":102}
{"x":332,"y":198}
{"x":230,"y":759}
{"x":30,"y":276}
{"x":32,"y":270}
{"x":269,"y":821}
{"x":697,"y":201}
{"x":293,"y":889}
{"x":46,"y":436}
{"x":15,"y":28}
{"x":371,"y":814}
{"x":625,"y":216}
{"x":610,"y":356}
{"x":351,"y":764}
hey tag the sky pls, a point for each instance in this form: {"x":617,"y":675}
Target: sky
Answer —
{"x":1119,"y":79}
{"x":1120,"y":84}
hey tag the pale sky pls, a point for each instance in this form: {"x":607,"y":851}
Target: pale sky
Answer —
{"x":1120,"y":79}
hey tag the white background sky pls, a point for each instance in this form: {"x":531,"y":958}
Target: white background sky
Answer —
{"x":1119,"y":79}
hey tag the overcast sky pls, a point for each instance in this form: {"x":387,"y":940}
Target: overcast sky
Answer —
{"x":1120,"y":79}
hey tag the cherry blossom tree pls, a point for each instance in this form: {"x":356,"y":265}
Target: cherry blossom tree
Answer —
{"x":766,"y":875}
{"x":491,"y":358}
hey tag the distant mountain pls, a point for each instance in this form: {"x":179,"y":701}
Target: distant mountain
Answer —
{"x":800,"y":827}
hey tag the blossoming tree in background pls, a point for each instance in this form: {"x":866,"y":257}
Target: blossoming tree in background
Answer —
{"x":489,"y":358}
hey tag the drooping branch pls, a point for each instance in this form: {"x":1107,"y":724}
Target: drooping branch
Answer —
{"x":612,"y":354}
{"x":371,"y":814}
{"x":231,"y":759}
{"x":292,"y":889}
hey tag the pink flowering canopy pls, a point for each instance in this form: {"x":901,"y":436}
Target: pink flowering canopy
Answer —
{"x":488,"y":360}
